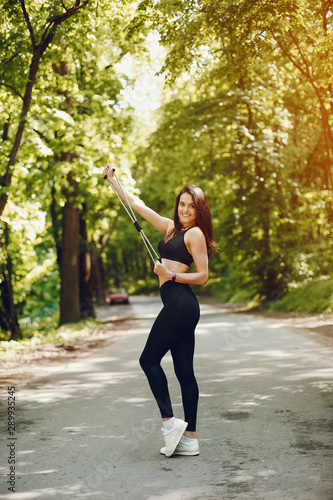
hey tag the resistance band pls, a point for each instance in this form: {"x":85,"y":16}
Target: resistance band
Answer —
{"x":133,"y":218}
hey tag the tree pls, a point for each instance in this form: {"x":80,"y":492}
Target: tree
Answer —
{"x":8,"y":316}
{"x":233,"y":38}
{"x":41,"y":34}
{"x":236,"y":99}
{"x":76,"y":119}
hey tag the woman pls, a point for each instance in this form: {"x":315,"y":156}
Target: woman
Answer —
{"x":188,"y":238}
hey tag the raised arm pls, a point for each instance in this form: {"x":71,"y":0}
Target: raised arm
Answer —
{"x":162,"y":224}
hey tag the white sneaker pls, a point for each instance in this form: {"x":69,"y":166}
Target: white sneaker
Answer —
{"x":188,"y":449}
{"x":172,"y":437}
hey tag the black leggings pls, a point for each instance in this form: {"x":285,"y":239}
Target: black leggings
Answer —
{"x":173,"y":330}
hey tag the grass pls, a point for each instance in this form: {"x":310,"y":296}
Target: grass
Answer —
{"x":46,"y":331}
{"x":315,"y":297}
{"x":224,"y":291}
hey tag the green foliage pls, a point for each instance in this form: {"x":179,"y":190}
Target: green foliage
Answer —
{"x":46,"y":331}
{"x":247,"y":123}
{"x":76,"y":109}
{"x":146,"y":286}
{"x":247,"y":116}
{"x":313,"y":297}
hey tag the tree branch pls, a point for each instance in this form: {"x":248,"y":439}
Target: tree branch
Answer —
{"x":64,"y":6}
{"x":28,"y":23}
{"x":325,"y":19}
{"x":112,"y":228}
{"x":16,"y":92}
{"x":38,"y":51}
{"x":305,"y":62}
{"x":13,"y":56}
{"x":287,"y":53}
{"x":50,"y":30}
{"x":42,"y":136}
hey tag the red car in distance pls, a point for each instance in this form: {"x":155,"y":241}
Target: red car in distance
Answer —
{"x":119,"y":296}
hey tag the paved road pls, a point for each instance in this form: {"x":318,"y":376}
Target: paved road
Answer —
{"x":92,"y":431}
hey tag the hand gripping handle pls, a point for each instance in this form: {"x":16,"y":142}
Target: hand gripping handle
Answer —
{"x":105,"y":176}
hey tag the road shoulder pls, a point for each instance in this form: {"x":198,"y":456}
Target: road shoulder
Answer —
{"x":41,"y":360}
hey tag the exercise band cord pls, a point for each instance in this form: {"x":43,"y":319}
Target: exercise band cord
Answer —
{"x":133,"y":218}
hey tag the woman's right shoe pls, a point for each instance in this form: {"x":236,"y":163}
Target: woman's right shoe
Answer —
{"x":187,"y":449}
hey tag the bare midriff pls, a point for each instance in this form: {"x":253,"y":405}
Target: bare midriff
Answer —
{"x":173,"y":265}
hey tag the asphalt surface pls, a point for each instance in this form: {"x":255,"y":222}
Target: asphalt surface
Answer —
{"x":91,"y":429}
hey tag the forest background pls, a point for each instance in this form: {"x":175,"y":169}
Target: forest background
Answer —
{"x":234,"y":96}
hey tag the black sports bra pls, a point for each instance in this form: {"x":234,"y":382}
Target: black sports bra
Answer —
{"x":175,"y":249}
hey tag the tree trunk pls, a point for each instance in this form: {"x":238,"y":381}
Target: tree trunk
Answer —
{"x":8,"y":316}
{"x":70,"y":252}
{"x":86,"y":298}
{"x":97,"y":277}
{"x":56,"y":224}
{"x":69,"y":269}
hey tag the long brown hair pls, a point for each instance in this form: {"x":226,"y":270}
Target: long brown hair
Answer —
{"x":203,"y":216}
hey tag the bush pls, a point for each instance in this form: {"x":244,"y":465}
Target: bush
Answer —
{"x":314,"y":297}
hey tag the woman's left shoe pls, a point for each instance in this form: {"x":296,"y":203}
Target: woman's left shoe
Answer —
{"x":172,"y":437}
{"x":186,"y":449}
